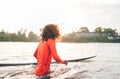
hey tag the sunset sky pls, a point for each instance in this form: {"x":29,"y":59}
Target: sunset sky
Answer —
{"x":69,"y":14}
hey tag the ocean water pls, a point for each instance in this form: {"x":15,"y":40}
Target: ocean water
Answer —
{"x":12,"y":51}
{"x":104,"y":66}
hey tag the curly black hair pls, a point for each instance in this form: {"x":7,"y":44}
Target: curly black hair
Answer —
{"x":50,"y":31}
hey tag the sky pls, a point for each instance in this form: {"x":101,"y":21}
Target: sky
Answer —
{"x":70,"y":15}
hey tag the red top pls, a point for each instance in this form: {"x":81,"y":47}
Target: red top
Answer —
{"x":44,"y":53}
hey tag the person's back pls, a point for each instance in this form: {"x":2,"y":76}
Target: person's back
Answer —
{"x":47,"y":49}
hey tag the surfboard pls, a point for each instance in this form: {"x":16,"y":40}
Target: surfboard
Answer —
{"x":18,"y":64}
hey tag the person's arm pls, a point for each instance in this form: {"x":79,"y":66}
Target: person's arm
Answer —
{"x":52,"y":47}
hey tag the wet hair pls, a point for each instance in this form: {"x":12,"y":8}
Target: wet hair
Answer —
{"x":50,"y":31}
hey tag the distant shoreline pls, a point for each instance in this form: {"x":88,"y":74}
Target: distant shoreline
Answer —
{"x":57,"y":42}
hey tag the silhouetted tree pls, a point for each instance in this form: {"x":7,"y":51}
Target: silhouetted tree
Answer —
{"x":32,"y":37}
{"x":98,"y":30}
{"x":110,"y":31}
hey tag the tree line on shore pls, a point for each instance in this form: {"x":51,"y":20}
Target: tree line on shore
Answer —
{"x":20,"y":36}
{"x":99,"y":35}
{"x":102,"y":36}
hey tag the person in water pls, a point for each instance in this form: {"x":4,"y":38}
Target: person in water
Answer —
{"x":46,"y":50}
